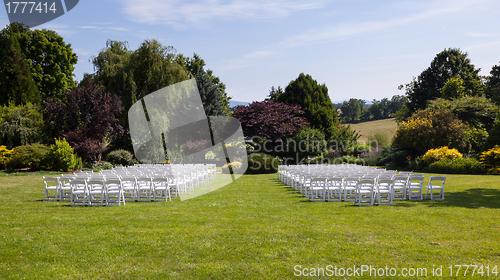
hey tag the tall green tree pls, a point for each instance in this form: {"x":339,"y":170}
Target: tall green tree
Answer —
{"x":211,"y":95}
{"x":313,"y":98}
{"x":493,"y":85}
{"x":351,"y":110}
{"x":16,"y":84}
{"x":449,"y":63}
{"x":132,"y":75}
{"x":114,"y":70}
{"x":273,"y":93}
{"x":194,"y":65}
{"x":376,"y":110}
{"x":51,"y":60}
{"x":155,"y":67}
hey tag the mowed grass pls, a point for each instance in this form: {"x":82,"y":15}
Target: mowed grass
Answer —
{"x":255,"y":228}
{"x":366,"y":129}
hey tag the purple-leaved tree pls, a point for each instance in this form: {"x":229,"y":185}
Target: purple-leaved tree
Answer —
{"x":270,"y":120}
{"x":88,"y":119}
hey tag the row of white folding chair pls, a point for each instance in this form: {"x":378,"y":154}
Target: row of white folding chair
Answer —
{"x":406,"y":185}
{"x":361,"y":191}
{"x":96,"y":192}
{"x":72,"y":188}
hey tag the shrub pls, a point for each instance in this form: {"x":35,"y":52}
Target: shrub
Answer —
{"x":5,"y":155}
{"x":20,"y":125}
{"x":235,"y":166}
{"x":434,"y":155}
{"x":395,"y":157}
{"x":307,"y":142}
{"x":457,"y":166}
{"x":260,"y":163}
{"x":33,"y":156}
{"x":62,"y":157}
{"x":378,"y":140}
{"x":97,"y":167}
{"x":121,"y":157}
{"x":426,"y":130}
{"x":372,"y":156}
{"x":491,"y":160}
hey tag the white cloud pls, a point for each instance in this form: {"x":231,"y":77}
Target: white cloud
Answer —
{"x":245,"y":61}
{"x":90,"y":27}
{"x":345,"y":30}
{"x":179,"y":13}
{"x":81,"y":52}
{"x":61,"y":29}
{"x":106,"y":28}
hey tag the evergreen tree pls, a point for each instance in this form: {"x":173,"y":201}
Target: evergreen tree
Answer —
{"x":493,"y":85}
{"x":16,"y":84}
{"x":314,"y":100}
{"x":210,"y":93}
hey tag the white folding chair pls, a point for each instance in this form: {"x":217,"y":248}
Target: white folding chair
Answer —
{"x":349,"y":188}
{"x":161,"y":187}
{"x":436,"y":183}
{"x":65,"y":187}
{"x":95,"y":192}
{"x":144,"y":188}
{"x":400,"y":185}
{"x":414,"y":187}
{"x":52,"y":186}
{"x":334,"y":188}
{"x":385,"y":192}
{"x":129,"y":187}
{"x":114,"y":192}
{"x":78,"y":191}
{"x":365,"y":192}
{"x":316,"y":188}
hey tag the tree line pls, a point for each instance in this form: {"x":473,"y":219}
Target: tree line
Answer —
{"x":40,"y":101}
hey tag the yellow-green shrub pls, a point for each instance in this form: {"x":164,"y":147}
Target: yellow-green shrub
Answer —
{"x":33,"y":156}
{"x":434,"y":155}
{"x":491,"y":160}
{"x":235,"y":166}
{"x":5,"y":154}
{"x":62,"y":157}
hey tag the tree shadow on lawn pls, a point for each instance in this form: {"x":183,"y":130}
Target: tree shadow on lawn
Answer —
{"x":471,"y":198}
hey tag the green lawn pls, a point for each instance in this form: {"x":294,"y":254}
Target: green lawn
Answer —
{"x":255,"y":228}
{"x":366,"y":129}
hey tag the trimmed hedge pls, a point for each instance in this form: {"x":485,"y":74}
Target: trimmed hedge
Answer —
{"x":457,"y":166}
{"x":260,"y":163}
{"x":121,"y":157}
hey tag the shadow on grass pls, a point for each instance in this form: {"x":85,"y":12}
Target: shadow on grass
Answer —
{"x":471,"y":198}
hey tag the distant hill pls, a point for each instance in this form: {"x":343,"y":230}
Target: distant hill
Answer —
{"x":233,"y":104}
{"x":385,"y":126}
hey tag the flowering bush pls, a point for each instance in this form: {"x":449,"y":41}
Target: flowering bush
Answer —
{"x":491,"y":160}
{"x":434,"y":155}
{"x":427,"y":130}
{"x":5,"y":154}
{"x":235,"y":166}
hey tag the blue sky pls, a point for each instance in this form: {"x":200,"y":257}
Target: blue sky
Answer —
{"x":358,"y":48}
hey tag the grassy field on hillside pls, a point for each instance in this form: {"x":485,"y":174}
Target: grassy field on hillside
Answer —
{"x":255,"y":228}
{"x":365,"y":129}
